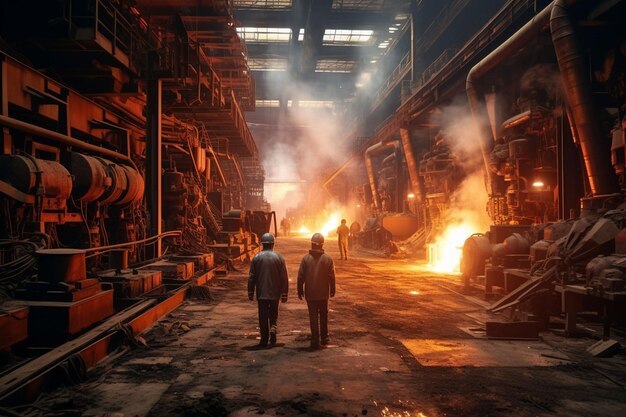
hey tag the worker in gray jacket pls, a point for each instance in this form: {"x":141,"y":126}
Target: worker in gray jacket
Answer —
{"x":316,"y":282}
{"x":268,"y":277}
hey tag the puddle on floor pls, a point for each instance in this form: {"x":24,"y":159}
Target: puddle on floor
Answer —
{"x":479,"y":353}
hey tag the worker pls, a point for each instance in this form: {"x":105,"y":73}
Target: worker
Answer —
{"x":316,"y":283}
{"x":342,"y":239}
{"x":355,"y":229}
{"x":268,"y":277}
{"x":285,"y":226}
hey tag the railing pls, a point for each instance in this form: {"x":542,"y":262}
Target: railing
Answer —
{"x":131,"y":38}
{"x":242,"y":126}
{"x":396,"y":75}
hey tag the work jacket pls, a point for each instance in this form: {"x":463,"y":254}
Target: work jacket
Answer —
{"x":342,"y":232}
{"x":268,"y":276}
{"x":316,"y":276}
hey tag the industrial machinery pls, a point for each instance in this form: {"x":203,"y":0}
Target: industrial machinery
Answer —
{"x":534,"y":159}
{"x":123,"y":156}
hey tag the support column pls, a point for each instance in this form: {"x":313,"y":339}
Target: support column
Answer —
{"x":4,"y":107}
{"x":153,"y":161}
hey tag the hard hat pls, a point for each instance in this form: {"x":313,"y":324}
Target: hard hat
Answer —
{"x":317,"y":239}
{"x":267,"y":239}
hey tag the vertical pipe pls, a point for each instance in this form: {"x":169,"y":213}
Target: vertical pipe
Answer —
{"x":580,"y":100}
{"x":7,"y":142}
{"x":153,"y":160}
{"x":405,"y":135}
{"x":520,"y":39}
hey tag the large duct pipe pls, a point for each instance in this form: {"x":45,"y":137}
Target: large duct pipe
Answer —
{"x":372,"y":150}
{"x":520,"y":39}
{"x":411,"y":163}
{"x":580,"y":100}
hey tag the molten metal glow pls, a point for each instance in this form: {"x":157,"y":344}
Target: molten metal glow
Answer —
{"x":445,"y":254}
{"x":304,"y":229}
{"x":331,"y":224}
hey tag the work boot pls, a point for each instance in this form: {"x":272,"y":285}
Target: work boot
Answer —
{"x":273,"y":336}
{"x":324,"y":342}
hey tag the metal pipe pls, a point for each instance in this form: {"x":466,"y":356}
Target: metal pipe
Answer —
{"x":411,"y":163}
{"x":581,"y":102}
{"x":102,"y":249}
{"x":520,"y":39}
{"x":65,"y":139}
{"x":374,"y":149}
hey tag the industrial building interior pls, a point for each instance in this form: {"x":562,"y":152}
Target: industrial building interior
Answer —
{"x":476,"y":148}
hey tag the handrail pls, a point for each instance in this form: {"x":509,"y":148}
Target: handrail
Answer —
{"x":59,"y":137}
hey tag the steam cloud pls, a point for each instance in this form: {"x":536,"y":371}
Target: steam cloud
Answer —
{"x":316,"y":145}
{"x":468,"y":202}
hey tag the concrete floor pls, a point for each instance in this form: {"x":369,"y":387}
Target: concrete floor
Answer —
{"x":402,"y":345}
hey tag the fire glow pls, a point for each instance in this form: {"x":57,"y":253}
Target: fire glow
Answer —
{"x":329,"y":225}
{"x":444,"y":255}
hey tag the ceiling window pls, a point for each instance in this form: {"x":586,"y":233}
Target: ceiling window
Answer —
{"x":316,"y":104}
{"x":335,"y":65}
{"x":267,"y":64}
{"x":267,"y":103}
{"x":348,"y":36}
{"x":264,"y":35}
{"x":262,"y":4}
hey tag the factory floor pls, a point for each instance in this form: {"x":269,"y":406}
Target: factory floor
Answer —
{"x":404,"y":342}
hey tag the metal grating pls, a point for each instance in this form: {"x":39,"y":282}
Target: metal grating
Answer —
{"x":262,"y":4}
{"x":358,"y":4}
{"x":335,"y":65}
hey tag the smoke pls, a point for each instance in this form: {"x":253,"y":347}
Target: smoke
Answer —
{"x":309,"y":142}
{"x":542,"y":77}
{"x":468,"y":202}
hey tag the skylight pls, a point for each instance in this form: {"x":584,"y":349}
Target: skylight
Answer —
{"x":316,"y":104}
{"x":267,"y":64}
{"x":267,"y":103}
{"x":262,"y":4}
{"x":348,"y":36}
{"x":264,"y":35}
{"x":335,"y":65}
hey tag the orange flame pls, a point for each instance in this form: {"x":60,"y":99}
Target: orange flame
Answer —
{"x":444,"y":255}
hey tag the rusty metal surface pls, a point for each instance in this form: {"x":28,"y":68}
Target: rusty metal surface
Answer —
{"x":61,"y":265}
{"x":13,"y":326}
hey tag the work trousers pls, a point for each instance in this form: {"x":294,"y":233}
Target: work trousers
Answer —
{"x":343,"y":248}
{"x":268,"y":316}
{"x":318,"y":318}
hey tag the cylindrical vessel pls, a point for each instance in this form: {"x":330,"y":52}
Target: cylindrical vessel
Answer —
{"x":90,"y":177}
{"x":21,"y":172}
{"x":61,"y":265}
{"x":134,"y":189}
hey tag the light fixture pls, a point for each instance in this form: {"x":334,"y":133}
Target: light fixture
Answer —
{"x":538,"y":184}
{"x":410,"y":196}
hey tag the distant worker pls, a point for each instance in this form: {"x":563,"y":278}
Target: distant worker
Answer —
{"x":268,"y":277}
{"x":316,"y":283}
{"x":342,"y":239}
{"x":355,"y":229}
{"x":285,"y":226}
